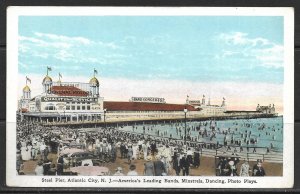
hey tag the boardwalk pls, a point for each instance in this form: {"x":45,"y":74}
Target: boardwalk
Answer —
{"x":207,"y":166}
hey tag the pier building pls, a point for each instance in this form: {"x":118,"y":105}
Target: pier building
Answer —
{"x":76,"y":102}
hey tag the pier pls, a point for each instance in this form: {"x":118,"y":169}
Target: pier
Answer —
{"x":136,"y":121}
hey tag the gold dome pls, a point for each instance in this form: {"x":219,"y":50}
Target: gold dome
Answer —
{"x":26,"y":89}
{"x":47,"y":79}
{"x":94,"y":81}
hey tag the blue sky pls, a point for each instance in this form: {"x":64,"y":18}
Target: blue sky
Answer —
{"x":189,"y":48}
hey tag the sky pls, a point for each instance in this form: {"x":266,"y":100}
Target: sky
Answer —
{"x":239,"y":58}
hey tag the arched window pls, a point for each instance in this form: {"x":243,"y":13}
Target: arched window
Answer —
{"x":50,"y":107}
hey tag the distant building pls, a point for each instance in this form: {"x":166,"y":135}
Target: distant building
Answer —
{"x":208,"y":109}
{"x":266,"y":109}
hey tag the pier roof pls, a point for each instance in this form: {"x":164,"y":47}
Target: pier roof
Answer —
{"x":144,"y":106}
{"x":68,"y":91}
{"x":241,"y":111}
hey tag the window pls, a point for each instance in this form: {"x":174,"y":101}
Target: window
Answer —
{"x":73,"y":107}
{"x":78,"y":107}
{"x":68,"y":108}
{"x":88,"y":108}
{"x":50,"y":107}
{"x":83,"y":107}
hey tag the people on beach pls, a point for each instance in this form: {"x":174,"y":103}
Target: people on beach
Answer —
{"x":185,"y":165}
{"x":258,"y":169}
{"x":149,"y":167}
{"x":159,"y":167}
{"x":245,"y":168}
{"x":39,"y":169}
{"x":107,"y":144}
{"x":119,"y":172}
{"x":132,"y":171}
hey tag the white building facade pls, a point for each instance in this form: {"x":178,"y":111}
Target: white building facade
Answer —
{"x":63,"y":101}
{"x":208,"y":109}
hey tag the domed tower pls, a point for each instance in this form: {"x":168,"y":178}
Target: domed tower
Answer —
{"x":258,"y":107}
{"x":94,"y":85}
{"x":47,"y":82}
{"x":24,"y":101}
{"x":26,"y":90}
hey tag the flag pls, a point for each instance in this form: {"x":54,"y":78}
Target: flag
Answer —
{"x":27,"y":79}
{"x":95,"y":71}
{"x":223,"y":98}
{"x":49,"y":68}
{"x":59,"y":75}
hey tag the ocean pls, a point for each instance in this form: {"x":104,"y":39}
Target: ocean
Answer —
{"x":259,"y":132}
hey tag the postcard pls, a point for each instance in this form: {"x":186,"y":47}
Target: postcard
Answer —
{"x":150,"y":97}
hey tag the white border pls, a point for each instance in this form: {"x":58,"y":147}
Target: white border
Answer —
{"x":286,"y":181}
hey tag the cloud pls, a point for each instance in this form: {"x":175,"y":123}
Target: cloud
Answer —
{"x":68,"y":49}
{"x":54,"y":37}
{"x":267,"y":53}
{"x":25,"y":66}
{"x":64,"y":55}
{"x":240,"y":38}
{"x":270,"y":57}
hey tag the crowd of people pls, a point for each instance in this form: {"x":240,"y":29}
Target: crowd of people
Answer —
{"x":227,"y":166}
{"x":35,"y":142}
{"x":162,"y":155}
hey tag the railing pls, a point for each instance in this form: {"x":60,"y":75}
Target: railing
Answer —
{"x":268,"y":157}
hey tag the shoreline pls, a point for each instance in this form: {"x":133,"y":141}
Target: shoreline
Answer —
{"x":157,"y":120}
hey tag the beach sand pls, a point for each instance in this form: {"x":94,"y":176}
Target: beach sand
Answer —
{"x":207,"y":166}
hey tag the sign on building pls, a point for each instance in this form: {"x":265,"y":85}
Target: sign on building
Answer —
{"x":148,"y":99}
{"x":67,"y":99}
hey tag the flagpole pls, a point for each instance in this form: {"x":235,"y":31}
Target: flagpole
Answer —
{"x":47,"y":70}
{"x":26,"y":80}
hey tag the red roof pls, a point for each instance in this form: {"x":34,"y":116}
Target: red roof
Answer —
{"x":144,"y":106}
{"x":68,"y":91}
